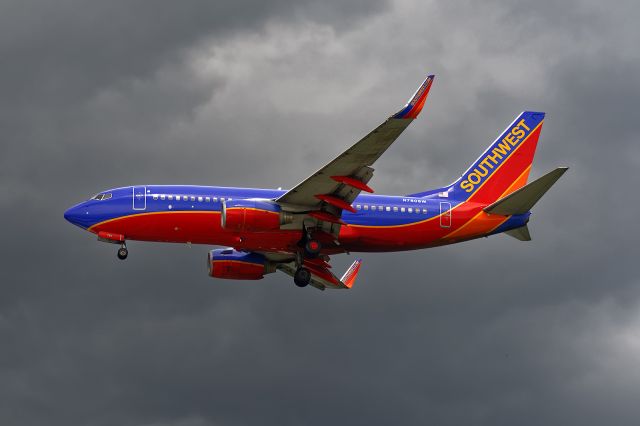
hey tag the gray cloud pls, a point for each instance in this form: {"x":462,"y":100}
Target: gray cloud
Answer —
{"x":258,"y":94}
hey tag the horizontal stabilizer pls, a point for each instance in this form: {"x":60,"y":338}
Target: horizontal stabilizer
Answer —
{"x":521,"y":233}
{"x":521,"y":201}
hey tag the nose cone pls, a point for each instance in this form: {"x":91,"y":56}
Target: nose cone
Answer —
{"x":75,"y":215}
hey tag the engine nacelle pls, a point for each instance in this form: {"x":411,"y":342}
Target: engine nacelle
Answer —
{"x":237,"y":265}
{"x":253,"y":216}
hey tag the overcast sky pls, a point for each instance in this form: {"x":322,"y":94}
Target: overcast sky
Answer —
{"x":100,"y":94}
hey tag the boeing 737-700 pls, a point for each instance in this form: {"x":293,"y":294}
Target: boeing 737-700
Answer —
{"x":332,"y":211}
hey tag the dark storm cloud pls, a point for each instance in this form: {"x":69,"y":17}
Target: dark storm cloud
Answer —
{"x":57,"y":57}
{"x":98,"y":95}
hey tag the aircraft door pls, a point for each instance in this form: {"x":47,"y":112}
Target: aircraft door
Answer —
{"x":139,"y":197}
{"x":445,"y":214}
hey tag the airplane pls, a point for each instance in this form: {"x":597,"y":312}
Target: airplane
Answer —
{"x":332,"y":211}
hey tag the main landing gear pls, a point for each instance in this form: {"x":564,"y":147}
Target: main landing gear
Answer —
{"x":302,"y":277}
{"x":123,"y":252}
{"x":310,"y":250}
{"x":310,"y":246}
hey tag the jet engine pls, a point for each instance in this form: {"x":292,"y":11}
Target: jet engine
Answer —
{"x":238,"y":265}
{"x":253,"y":216}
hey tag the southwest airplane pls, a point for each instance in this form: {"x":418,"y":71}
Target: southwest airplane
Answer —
{"x":296,"y":231}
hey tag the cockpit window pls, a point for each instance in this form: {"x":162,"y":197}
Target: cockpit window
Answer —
{"x":102,"y":196}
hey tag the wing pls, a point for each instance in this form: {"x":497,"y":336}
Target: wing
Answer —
{"x":327,"y":192}
{"x":321,"y":276}
{"x":243,"y":265}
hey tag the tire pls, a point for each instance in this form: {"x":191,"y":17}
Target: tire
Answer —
{"x":312,"y":248}
{"x":123,"y":253}
{"x":302,"y":277}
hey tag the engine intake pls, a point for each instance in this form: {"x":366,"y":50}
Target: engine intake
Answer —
{"x":253,"y":216}
{"x":237,"y":265}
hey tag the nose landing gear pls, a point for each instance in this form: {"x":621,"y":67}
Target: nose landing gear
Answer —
{"x":123,"y":252}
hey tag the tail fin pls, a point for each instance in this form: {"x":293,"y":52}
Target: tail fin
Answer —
{"x":503,"y":167}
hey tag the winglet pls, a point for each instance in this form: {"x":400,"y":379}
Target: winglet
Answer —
{"x":349,"y":277}
{"x":415,"y":104}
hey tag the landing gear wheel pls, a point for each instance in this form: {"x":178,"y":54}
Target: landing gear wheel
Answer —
{"x":123,"y":253}
{"x":312,"y":248}
{"x":302,"y":277}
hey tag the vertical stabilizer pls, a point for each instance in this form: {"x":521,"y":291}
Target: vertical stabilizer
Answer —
{"x":503,"y":167}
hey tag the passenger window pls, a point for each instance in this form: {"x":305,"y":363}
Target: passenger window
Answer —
{"x":395,"y":209}
{"x":366,"y":206}
{"x":155,"y":197}
{"x":177,"y":198}
{"x":424,"y":211}
{"x":380,"y":208}
{"x":162,"y":197}
{"x":388,"y":208}
{"x":193,"y":198}
{"x":417,"y":210}
{"x":170,"y":197}
{"x":402,"y":209}
{"x":215,"y":199}
{"x":373,"y":208}
{"x":410,"y":210}
{"x":200,"y":199}
{"x":207,"y":199}
{"x":221,"y":198}
{"x":358,"y":207}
